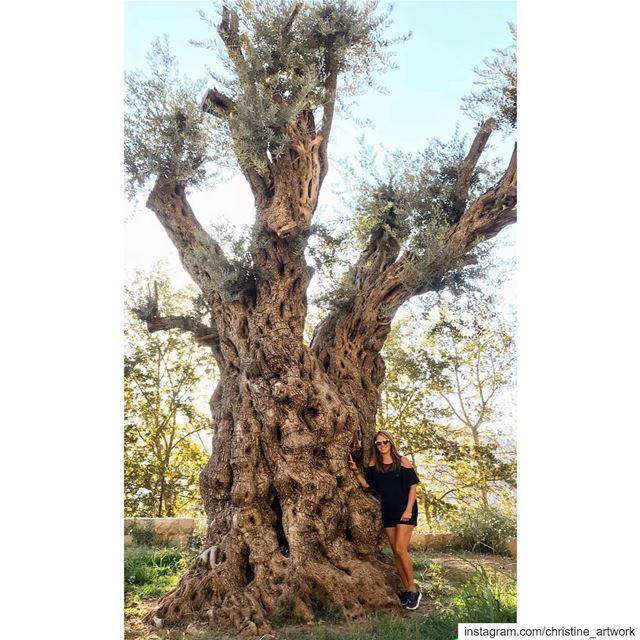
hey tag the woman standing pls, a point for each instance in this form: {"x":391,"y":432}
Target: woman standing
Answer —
{"x":394,"y":479}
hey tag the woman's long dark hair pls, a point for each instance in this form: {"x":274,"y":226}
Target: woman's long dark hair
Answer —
{"x":394,"y":453}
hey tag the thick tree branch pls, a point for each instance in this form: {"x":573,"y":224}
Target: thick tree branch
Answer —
{"x":484,"y":218}
{"x":200,"y":254}
{"x":467,"y":167}
{"x":487,"y":215}
{"x":382,"y":286}
{"x":203,"y":334}
{"x":206,"y":335}
{"x":290,"y":21}
{"x":260,"y":188}
{"x":228,"y":30}
{"x":331,"y":84}
{"x":296,"y":181}
{"x":219,"y":104}
{"x":382,"y":248}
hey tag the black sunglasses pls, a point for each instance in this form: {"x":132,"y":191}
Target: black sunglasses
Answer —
{"x":379,"y":443}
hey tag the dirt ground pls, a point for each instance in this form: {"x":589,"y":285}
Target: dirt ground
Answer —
{"x":456,"y":568}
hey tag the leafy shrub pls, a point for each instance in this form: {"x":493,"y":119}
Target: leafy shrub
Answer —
{"x":437,"y":588}
{"x":483,"y":598}
{"x":486,"y":598}
{"x":485,"y":529}
{"x":144,"y":535}
{"x":198,"y":536}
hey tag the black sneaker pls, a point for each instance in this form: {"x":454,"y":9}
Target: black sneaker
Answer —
{"x":413,"y":600}
{"x":403,"y":597}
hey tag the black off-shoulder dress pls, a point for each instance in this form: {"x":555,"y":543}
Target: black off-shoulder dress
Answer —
{"x":393,"y":488}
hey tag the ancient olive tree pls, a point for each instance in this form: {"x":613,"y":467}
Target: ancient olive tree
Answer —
{"x":289,"y":526}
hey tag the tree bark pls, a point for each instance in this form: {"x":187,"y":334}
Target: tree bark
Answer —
{"x":289,"y":526}
{"x":290,"y":531}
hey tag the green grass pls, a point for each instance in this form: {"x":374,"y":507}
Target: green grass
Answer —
{"x":150,"y":572}
{"x":477,"y":595}
{"x":381,"y":627}
{"x":486,"y":598}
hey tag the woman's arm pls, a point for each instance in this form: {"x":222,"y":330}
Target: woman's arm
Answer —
{"x":359,"y":477}
{"x":411,"y":499}
{"x":410,"y":502}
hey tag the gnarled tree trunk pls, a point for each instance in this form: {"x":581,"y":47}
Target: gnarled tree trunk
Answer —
{"x":290,"y":529}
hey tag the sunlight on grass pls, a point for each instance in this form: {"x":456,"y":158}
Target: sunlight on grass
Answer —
{"x":474,"y":594}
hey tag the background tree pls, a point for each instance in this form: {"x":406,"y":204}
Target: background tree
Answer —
{"x":441,"y":391}
{"x":288,"y":523}
{"x":164,"y":419}
{"x":469,"y":356}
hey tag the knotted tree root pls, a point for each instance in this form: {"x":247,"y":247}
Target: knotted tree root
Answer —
{"x":248,"y":582}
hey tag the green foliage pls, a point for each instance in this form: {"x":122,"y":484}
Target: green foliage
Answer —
{"x":486,"y":598}
{"x":381,"y":627}
{"x":497,"y":95}
{"x":441,"y":626}
{"x":403,"y":202}
{"x":279,"y":61}
{"x":406,"y":202}
{"x":484,"y":529}
{"x":166,"y":133}
{"x":167,"y":386}
{"x":237,"y":277}
{"x":419,"y":187}
{"x":144,"y":535}
{"x":198,"y":536}
{"x":149,"y":573}
{"x":483,"y":598}
{"x":329,"y":252}
{"x":437,"y":588}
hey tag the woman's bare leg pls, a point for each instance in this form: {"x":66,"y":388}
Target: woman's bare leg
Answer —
{"x":401,"y":553}
{"x":391,"y":535}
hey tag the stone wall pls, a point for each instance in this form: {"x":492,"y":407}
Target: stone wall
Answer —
{"x":174,"y":531}
{"x":421,"y":540}
{"x":432,"y":540}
